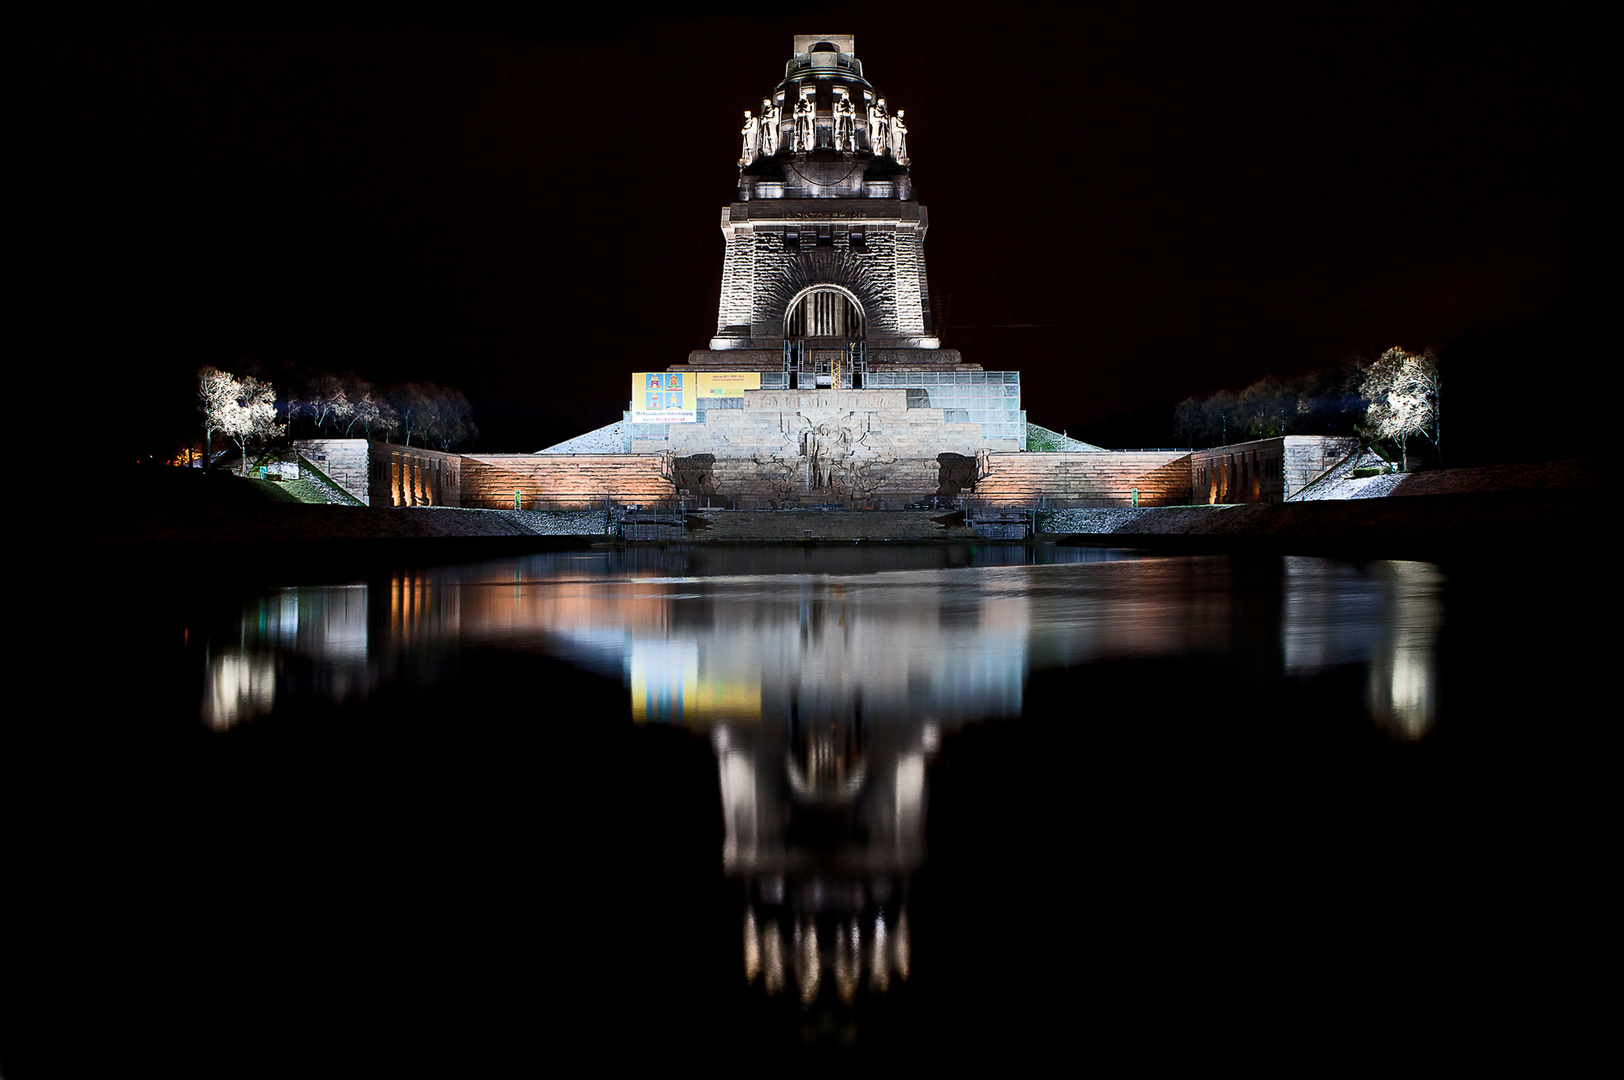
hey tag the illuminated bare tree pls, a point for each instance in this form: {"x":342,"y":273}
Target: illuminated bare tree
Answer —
{"x":373,"y":415}
{"x":215,"y":391}
{"x":325,"y":401}
{"x":241,"y":408}
{"x":1402,"y":389}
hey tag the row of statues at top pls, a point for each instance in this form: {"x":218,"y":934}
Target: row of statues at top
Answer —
{"x":887,"y":134}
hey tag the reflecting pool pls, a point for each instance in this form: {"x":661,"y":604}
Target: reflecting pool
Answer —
{"x":811,"y":805}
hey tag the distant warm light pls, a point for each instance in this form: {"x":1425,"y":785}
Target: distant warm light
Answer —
{"x":809,"y":961}
{"x":772,"y":958}
{"x":848,"y":962}
{"x":902,"y":947}
{"x":752,"y":946}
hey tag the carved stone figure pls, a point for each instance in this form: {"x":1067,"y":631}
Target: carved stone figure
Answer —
{"x":752,"y":134}
{"x":803,"y":124}
{"x":816,"y":452}
{"x":899,"y":139}
{"x":879,"y":136}
{"x":770,"y":116}
{"x":845,"y":122}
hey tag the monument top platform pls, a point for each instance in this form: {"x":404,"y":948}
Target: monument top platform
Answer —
{"x":806,"y":43}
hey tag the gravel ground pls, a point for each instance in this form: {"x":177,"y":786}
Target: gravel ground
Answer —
{"x":1167,"y":520}
{"x":1340,"y":483}
{"x":610,"y":439}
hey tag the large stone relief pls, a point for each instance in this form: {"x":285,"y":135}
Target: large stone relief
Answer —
{"x":836,"y":456}
{"x":825,"y":446}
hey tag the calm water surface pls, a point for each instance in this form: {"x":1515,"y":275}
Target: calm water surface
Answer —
{"x":819,"y":805}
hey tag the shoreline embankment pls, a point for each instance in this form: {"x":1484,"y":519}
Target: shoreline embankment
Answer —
{"x":1468,"y":512}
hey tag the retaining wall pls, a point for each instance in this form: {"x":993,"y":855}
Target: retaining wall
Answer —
{"x":1106,"y":478}
{"x":564,"y":481}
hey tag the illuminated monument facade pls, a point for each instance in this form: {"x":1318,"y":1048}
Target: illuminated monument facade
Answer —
{"x":825,"y":245}
{"x":826,"y":380}
{"x":826,"y":383}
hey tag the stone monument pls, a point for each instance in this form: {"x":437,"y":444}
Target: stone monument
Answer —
{"x":838,"y":390}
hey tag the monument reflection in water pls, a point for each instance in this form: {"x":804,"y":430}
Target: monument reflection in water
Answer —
{"x":825,"y":695}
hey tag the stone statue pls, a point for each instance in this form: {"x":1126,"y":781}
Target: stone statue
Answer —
{"x":769,"y":126}
{"x":803,"y":122}
{"x":845,"y":122}
{"x":899,"y":139}
{"x":752,"y":134}
{"x":878,"y":129}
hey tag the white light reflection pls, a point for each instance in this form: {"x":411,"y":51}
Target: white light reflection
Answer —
{"x":327,"y":624}
{"x":238,"y":686}
{"x":1386,"y":615}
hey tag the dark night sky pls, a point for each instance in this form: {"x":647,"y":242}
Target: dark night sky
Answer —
{"x":1128,"y":201}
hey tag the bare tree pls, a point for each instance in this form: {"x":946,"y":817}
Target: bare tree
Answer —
{"x":452,"y":420}
{"x":242,"y":409}
{"x":325,"y":401}
{"x":216,"y":390}
{"x":1402,"y":389}
{"x":1209,"y":421}
{"x":436,"y":416}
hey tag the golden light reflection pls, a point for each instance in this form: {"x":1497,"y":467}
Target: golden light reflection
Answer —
{"x":901,"y":947}
{"x":848,"y":962}
{"x":808,"y":960}
{"x":772,"y":950}
{"x":752,"y":946}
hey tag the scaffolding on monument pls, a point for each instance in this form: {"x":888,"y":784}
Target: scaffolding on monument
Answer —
{"x":808,"y":366}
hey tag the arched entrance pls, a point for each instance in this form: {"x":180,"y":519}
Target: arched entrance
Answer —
{"x":823,"y":339}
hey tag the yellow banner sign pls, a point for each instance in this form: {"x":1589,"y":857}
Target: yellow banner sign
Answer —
{"x":663,"y":397}
{"x":714,"y":384}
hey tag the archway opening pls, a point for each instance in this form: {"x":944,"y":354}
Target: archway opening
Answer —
{"x":823,"y":339}
{"x":825,"y":312}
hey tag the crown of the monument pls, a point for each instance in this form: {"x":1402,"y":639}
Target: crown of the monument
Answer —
{"x":824,"y":109}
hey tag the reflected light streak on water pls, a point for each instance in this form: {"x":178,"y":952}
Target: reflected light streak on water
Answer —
{"x":949,"y":645}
